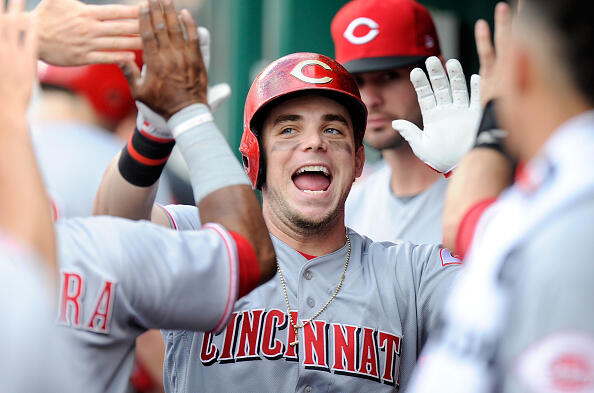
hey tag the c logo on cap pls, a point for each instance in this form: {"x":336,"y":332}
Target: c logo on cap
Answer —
{"x":297,"y":72}
{"x":371,"y":34}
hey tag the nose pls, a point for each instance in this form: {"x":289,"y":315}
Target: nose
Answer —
{"x":371,"y":95}
{"x":314,"y":141}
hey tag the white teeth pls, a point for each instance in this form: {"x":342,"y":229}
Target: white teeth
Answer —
{"x":312,"y":192}
{"x":314,"y":168}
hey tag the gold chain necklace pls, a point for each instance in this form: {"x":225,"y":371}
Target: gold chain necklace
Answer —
{"x":282,"y":280}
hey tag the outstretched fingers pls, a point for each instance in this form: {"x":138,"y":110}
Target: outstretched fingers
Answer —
{"x":193,"y":44}
{"x":425,"y":95}
{"x":176,"y":35}
{"x":439,"y":81}
{"x":458,"y":83}
{"x":503,"y":23}
{"x":149,"y":41}
{"x":475,"y":92}
{"x":484,"y":46}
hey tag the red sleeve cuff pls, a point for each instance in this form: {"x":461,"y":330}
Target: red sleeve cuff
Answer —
{"x":249,"y":269}
{"x":468,"y":225}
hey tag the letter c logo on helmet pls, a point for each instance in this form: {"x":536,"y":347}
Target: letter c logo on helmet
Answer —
{"x":349,"y":33}
{"x":297,"y":72}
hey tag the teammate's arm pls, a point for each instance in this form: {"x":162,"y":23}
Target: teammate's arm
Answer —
{"x":487,"y":169}
{"x":21,"y":184}
{"x":174,"y":86}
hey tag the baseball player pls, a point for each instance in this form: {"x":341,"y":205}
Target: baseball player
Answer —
{"x":119,"y":278}
{"x":343,"y":313}
{"x":27,"y":247}
{"x":380,"y":42}
{"x":520,"y":318}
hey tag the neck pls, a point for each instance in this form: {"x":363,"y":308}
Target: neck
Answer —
{"x":323,"y":242}
{"x":410,"y":176}
{"x":544,"y":123}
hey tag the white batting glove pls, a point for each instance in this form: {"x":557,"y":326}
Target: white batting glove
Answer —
{"x":217,"y":94}
{"x":154,"y":124}
{"x":449,"y":117}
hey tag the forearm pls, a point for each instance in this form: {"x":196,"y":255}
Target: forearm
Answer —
{"x":118,"y":197}
{"x":24,"y":211}
{"x":221,"y":189}
{"x":482,"y":174}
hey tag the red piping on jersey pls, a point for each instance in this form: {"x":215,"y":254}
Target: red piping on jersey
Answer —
{"x":232,"y":295}
{"x":170,"y":216}
{"x":249,"y":269}
{"x":307,"y":256}
{"x":468,"y":225}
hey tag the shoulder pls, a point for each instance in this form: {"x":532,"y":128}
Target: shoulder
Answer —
{"x":563,"y":248}
{"x":403,"y":251}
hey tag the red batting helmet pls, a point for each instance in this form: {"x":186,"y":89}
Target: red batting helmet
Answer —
{"x":291,"y":76}
{"x":103,"y":85}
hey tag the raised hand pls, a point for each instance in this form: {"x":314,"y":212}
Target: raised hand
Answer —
{"x":73,"y":33}
{"x":175,"y":75}
{"x":489,"y":55}
{"x":450,"y":118}
{"x":18,"y":58}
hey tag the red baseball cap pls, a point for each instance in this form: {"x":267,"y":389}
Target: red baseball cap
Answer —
{"x":375,"y":35}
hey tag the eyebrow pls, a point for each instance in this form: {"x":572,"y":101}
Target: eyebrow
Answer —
{"x":286,"y":118}
{"x":335,"y":117}
{"x":326,"y":117}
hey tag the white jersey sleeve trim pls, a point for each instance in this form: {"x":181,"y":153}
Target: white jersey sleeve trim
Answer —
{"x":172,"y":222}
{"x":233,"y":274}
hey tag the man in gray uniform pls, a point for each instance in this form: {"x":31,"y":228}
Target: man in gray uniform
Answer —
{"x":520,"y":318}
{"x":119,"y":278}
{"x":344,"y":313}
{"x":380,"y":42}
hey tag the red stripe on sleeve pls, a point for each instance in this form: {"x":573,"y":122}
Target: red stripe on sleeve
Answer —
{"x":468,"y":225}
{"x":249,"y":269}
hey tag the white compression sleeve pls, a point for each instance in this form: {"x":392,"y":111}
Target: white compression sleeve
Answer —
{"x":211,"y":163}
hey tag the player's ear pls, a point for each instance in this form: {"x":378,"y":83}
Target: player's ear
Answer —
{"x":359,"y":160}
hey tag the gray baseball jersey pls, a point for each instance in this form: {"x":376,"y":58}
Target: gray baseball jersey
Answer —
{"x":367,"y":339}
{"x":520,"y":318}
{"x":30,"y":358}
{"x":373,"y":210}
{"x":119,"y":278}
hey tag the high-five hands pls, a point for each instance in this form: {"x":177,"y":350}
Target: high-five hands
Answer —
{"x":175,"y":74}
{"x":450,"y":118}
{"x":215,"y":95}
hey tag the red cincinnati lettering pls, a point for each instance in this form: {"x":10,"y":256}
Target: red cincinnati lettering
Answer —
{"x":102,"y":312}
{"x":72,"y":290}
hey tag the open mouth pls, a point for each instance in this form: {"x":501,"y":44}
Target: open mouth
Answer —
{"x":312,"y":179}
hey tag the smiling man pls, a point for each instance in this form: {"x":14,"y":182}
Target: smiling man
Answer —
{"x":344,"y":313}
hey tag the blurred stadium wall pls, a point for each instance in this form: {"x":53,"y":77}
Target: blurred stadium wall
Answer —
{"x":248,"y":34}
